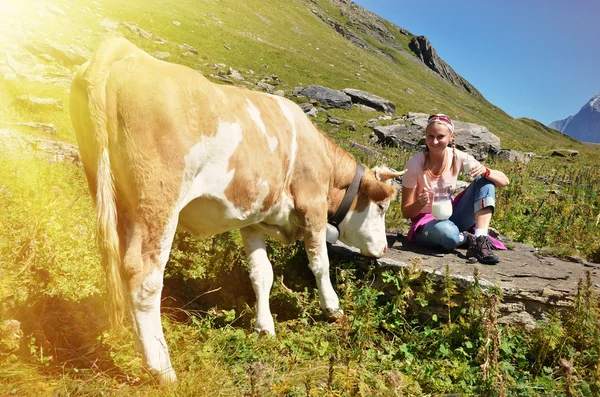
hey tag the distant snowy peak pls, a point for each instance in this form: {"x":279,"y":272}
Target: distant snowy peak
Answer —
{"x":585,"y":125}
{"x":560,"y":125}
{"x":594,"y":103}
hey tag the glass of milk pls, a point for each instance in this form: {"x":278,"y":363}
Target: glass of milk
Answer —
{"x":441,"y":208}
{"x":467,"y":165}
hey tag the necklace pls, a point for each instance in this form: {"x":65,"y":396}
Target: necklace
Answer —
{"x":442,"y":169}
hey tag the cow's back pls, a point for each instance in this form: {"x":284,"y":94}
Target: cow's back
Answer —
{"x":174,"y":137}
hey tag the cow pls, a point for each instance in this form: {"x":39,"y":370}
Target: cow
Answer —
{"x":163,"y":147}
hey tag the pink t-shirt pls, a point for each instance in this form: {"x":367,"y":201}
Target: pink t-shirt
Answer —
{"x":416,"y":177}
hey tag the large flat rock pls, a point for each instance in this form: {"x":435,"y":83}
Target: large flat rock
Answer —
{"x":531,"y":284}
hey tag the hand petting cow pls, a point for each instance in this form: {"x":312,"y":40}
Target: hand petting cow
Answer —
{"x":164,"y":147}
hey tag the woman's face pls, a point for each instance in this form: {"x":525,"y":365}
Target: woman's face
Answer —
{"x":437,"y":137}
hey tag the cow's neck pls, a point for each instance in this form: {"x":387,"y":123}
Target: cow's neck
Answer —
{"x":342,"y":173}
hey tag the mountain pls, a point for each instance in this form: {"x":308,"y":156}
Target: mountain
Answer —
{"x":585,"y":125}
{"x":560,"y":125}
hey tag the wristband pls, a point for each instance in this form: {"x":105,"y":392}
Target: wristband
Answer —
{"x":486,"y":173}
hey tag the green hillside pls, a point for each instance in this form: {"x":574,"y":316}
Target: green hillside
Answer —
{"x":291,"y":40}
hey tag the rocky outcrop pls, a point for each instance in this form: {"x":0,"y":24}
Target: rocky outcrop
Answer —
{"x":362,"y":27}
{"x":530,"y":284}
{"x":423,"y":50}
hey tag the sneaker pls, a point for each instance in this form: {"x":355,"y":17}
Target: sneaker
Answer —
{"x":480,"y":249}
{"x":467,"y":237}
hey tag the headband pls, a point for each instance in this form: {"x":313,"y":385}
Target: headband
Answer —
{"x":441,"y":118}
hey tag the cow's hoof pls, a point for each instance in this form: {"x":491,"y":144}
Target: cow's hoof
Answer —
{"x":262,"y":332}
{"x":334,"y":314}
{"x":164,"y":378}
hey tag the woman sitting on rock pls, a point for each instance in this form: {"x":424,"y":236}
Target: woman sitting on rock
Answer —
{"x":436,"y":166}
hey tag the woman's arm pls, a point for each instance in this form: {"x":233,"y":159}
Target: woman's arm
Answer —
{"x":411,"y":203}
{"x":496,"y":176}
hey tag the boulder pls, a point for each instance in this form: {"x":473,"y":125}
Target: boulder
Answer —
{"x":370,"y":100}
{"x":327,"y":97}
{"x":564,"y":153}
{"x":471,"y":138}
{"x":515,"y":156}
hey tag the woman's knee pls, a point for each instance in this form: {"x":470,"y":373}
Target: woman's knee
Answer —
{"x":447,"y":233}
{"x":485,"y":188}
{"x":485,"y":196}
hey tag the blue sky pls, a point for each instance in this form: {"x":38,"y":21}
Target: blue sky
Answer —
{"x":532,"y":58}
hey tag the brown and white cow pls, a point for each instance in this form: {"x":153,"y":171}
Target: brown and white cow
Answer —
{"x":162,"y":146}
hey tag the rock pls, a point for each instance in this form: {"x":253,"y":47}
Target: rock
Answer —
{"x":309,"y":109}
{"x":234,"y":74}
{"x":47,"y":128}
{"x":399,"y":135}
{"x":334,"y":120}
{"x":67,"y":54}
{"x":265,"y":87}
{"x":327,"y":97}
{"x":564,"y":153}
{"x":370,"y":100}
{"x":10,"y":336}
{"x":423,"y":50}
{"x":161,"y":55}
{"x":35,"y":102}
{"x":515,"y":156}
{"x":366,"y":150}
{"x":11,"y":140}
{"x":189,"y":48}
{"x":471,"y":138}
{"x":521,"y":319}
{"x":530,"y":284}
{"x":139,"y":31}
{"x":109,"y":24}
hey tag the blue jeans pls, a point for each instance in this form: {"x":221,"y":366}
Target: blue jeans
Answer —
{"x":480,"y":194}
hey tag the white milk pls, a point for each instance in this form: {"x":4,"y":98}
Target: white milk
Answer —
{"x":441,"y":209}
{"x":467,"y":165}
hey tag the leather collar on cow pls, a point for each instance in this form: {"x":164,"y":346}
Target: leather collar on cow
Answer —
{"x":351,"y":193}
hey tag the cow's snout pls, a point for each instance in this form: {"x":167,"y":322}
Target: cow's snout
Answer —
{"x":374,"y":252}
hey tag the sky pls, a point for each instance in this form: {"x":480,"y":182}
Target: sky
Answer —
{"x":532,"y":58}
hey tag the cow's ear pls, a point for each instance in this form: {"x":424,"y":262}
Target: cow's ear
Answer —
{"x":383,"y":173}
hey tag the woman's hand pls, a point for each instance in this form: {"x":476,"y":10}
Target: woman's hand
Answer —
{"x":424,"y":198}
{"x":477,"y":169}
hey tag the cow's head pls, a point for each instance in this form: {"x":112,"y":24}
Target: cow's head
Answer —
{"x":364,"y":225}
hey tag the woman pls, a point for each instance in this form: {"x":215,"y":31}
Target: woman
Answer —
{"x":438,"y":166}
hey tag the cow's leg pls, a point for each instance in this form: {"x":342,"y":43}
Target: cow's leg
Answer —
{"x":261,"y":275}
{"x":144,"y":263}
{"x":318,"y":261}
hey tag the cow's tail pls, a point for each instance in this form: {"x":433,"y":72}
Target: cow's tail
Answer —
{"x":90,"y":122}
{"x":108,"y":241}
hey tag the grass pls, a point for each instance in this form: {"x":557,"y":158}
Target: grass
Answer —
{"x":389,"y":344}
